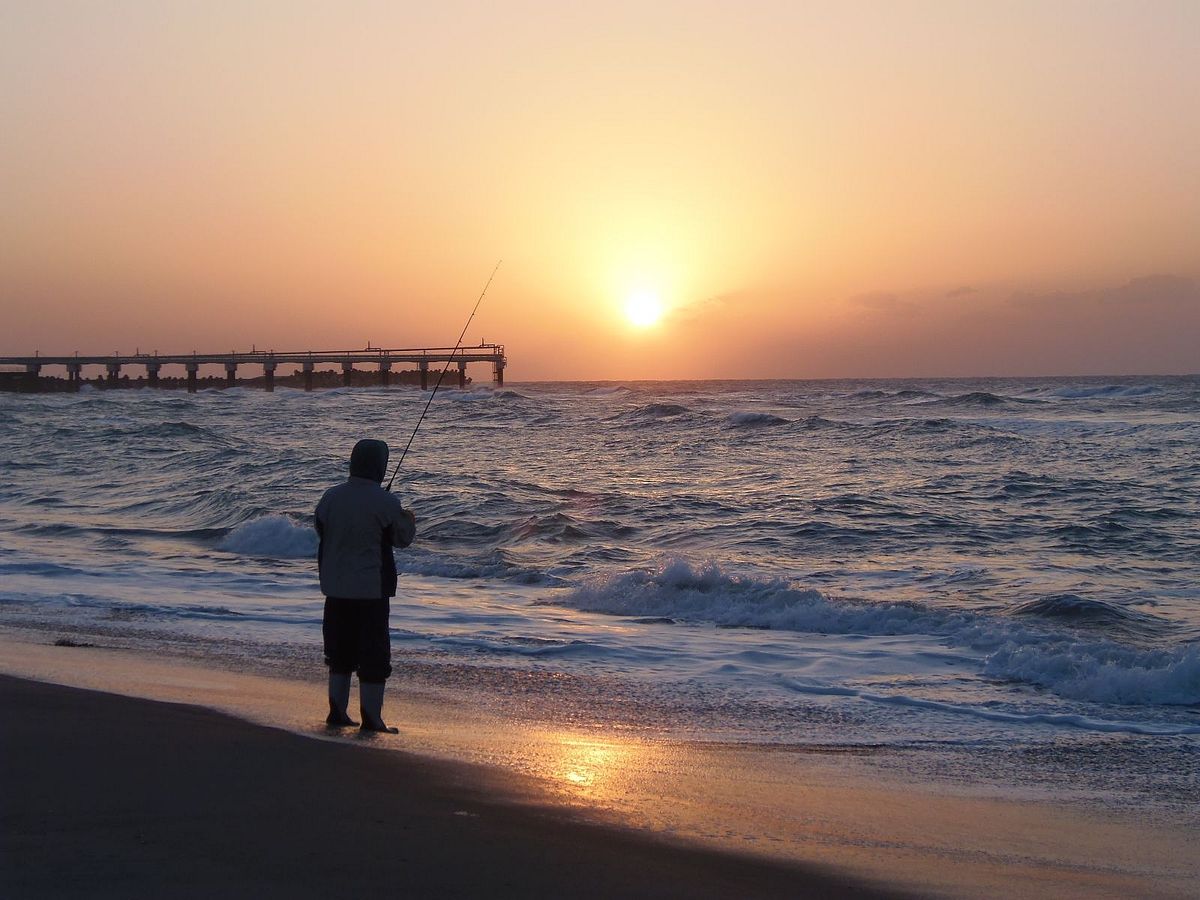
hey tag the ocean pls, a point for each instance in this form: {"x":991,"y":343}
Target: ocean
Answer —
{"x":996,"y":577}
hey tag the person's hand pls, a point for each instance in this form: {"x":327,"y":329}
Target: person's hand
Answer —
{"x":412,"y":517}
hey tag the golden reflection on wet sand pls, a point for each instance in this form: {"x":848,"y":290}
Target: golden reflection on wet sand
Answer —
{"x":590,"y":767}
{"x":794,"y":803}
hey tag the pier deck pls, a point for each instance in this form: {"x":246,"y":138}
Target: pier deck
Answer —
{"x":308,"y":361}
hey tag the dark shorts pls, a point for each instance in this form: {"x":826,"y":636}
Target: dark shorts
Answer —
{"x":356,"y":638}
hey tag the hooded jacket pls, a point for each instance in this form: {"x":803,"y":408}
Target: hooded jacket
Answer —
{"x":358,"y":523}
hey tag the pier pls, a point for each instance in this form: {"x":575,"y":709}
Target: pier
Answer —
{"x":378,"y":361}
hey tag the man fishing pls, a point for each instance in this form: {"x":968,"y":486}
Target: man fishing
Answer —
{"x":358,"y":523}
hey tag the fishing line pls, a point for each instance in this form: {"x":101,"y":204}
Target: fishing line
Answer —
{"x":442,"y":374}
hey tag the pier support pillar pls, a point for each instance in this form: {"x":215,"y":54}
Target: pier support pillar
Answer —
{"x":152,"y":374}
{"x":347,"y":370}
{"x":73,"y":372}
{"x":114,"y":371}
{"x":269,"y":376}
{"x":462,"y":374}
{"x":308,"y":375}
{"x":230,"y":374}
{"x":498,"y":376}
{"x":32,"y":370}
{"x":424,"y":366}
{"x":385,"y":373}
{"x":192,"y":369}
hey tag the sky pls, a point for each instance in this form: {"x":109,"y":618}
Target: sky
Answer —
{"x":785,"y":189}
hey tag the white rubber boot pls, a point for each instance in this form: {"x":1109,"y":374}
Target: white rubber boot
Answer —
{"x":339,"y":700}
{"x":370,"y":703}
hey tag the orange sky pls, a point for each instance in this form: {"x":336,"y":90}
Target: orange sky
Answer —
{"x":812,"y":190}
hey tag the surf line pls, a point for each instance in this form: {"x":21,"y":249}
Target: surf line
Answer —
{"x":442,"y":374}
{"x":1066,"y":720}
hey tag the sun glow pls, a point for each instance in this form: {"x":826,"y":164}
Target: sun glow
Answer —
{"x":643,"y":308}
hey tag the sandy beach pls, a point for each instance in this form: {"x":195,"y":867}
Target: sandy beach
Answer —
{"x":107,"y":796}
{"x":111,"y":795}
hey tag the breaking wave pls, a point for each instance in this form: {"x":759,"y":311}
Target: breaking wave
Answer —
{"x":277,"y":537}
{"x":1103,"y":671}
{"x":705,"y":593}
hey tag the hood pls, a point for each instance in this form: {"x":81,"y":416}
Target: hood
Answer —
{"x":369,"y":460}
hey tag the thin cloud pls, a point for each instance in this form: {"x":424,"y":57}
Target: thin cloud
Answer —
{"x":1145,"y":291}
{"x":882,"y":301}
{"x":698,"y":310}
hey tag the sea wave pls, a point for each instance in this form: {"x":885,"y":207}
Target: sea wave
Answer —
{"x":906,"y":394}
{"x":1073,"y":609}
{"x":706,"y":593}
{"x":743,"y":419}
{"x":1108,"y":390}
{"x":282,"y":537}
{"x":1062,"y":720}
{"x":523,"y":646}
{"x":979,"y":400}
{"x":495,"y":565}
{"x":654,"y":411}
{"x":278,"y":537}
{"x":1104,"y":671}
{"x":820,"y":423}
{"x":475,"y":394}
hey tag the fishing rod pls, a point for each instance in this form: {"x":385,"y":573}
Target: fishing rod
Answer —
{"x":442,"y":375}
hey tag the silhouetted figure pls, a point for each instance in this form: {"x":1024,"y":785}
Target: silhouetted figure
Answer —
{"x":359,"y":522}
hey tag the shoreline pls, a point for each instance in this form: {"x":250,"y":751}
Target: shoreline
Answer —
{"x":111,"y":796}
{"x":827,"y":809}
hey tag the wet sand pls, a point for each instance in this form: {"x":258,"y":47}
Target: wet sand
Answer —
{"x":530,"y":800}
{"x":109,"y":796}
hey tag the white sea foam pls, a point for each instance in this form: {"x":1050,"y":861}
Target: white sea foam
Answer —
{"x":1051,"y":657}
{"x":271,"y":536}
{"x":1103,"y":671}
{"x":706,"y":593}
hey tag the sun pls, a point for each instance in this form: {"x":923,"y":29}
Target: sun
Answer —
{"x":643,"y":308}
